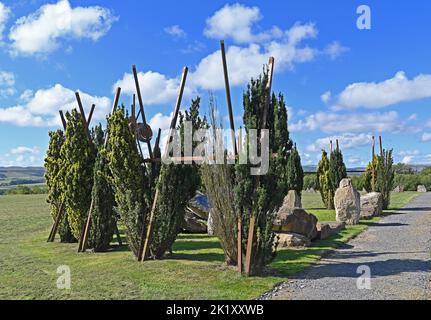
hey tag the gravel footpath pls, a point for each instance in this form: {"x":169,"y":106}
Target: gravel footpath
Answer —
{"x":397,"y":249}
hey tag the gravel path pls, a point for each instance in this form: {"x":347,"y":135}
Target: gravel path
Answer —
{"x":397,"y":251}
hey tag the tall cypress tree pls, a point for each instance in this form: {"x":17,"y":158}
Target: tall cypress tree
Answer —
{"x":129,"y":178}
{"x":103,"y":215}
{"x":53,"y":163}
{"x":295,"y":173}
{"x":337,"y":169}
{"x":78,"y":157}
{"x":385,"y":176}
{"x":324,"y":181}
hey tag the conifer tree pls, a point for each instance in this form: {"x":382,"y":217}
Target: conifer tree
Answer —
{"x":324,"y":181}
{"x":53,"y":163}
{"x":78,"y":155}
{"x":385,"y":176}
{"x":103,"y":215}
{"x":129,"y":178}
{"x":337,"y":169}
{"x":295,"y":173}
{"x":369,"y":184}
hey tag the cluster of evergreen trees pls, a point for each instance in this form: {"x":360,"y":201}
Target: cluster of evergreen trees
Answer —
{"x":330,"y":172}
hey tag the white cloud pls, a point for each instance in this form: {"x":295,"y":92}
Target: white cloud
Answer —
{"x":41,"y":31}
{"x":161,"y":121}
{"x":176,"y":31}
{"x":26,"y":96}
{"x":331,"y":122}
{"x":7,"y":84}
{"x":426,"y":137}
{"x":42,"y":108}
{"x":378,"y":95}
{"x":346,"y":141}
{"x":236,"y":22}
{"x":409,"y":152}
{"x":246,"y":62}
{"x":326,"y":96}
{"x":4,"y":16}
{"x":408,"y":159}
{"x":25,"y":150}
{"x":156,"y":88}
{"x":335,"y":49}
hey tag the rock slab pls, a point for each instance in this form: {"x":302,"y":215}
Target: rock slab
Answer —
{"x":371,"y":205}
{"x":293,"y":240}
{"x":296,"y":221}
{"x":347,"y":203}
{"x":327,"y":229}
{"x":422,"y":189}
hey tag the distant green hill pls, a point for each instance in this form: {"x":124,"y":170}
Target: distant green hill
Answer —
{"x":13,"y":176}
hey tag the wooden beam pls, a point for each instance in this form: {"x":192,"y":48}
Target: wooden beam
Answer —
{"x":57,"y":222}
{"x":63,"y":119}
{"x":251,"y":227}
{"x":338,"y":145}
{"x":330,"y":145}
{"x":141,"y":107}
{"x":82,"y":246}
{"x":90,"y":116}
{"x":373,"y":173}
{"x":381,"y":146}
{"x":145,"y":244}
{"x":235,"y":148}
{"x":84,"y":120}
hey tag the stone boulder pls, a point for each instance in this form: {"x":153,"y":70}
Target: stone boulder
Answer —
{"x":371,"y":205}
{"x":292,"y":200}
{"x":293,"y":240}
{"x":399,"y":189}
{"x":327,"y":229}
{"x":347,"y":203}
{"x":199,"y":205}
{"x":210,"y":224}
{"x":192,"y":224}
{"x":296,"y":221}
{"x":422,"y":189}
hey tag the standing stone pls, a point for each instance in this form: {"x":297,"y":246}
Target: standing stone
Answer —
{"x":192,"y":224}
{"x":199,"y":205}
{"x":371,"y":205}
{"x":422,"y":189}
{"x":291,"y":201}
{"x":399,"y":189}
{"x":296,"y":221}
{"x":293,"y":240}
{"x":327,"y":229}
{"x":347,"y":203}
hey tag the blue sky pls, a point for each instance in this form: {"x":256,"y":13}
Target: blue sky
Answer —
{"x":339,"y":81}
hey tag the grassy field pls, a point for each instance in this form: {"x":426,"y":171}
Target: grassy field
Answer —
{"x":196,"y":270}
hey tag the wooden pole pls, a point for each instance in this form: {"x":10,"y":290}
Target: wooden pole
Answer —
{"x":338,"y":145}
{"x":84,"y":120}
{"x":82,"y":246}
{"x":63,"y":119}
{"x":252,"y":224}
{"x":330,"y":145}
{"x":141,"y":107}
{"x":234,"y":146}
{"x":381,"y":146}
{"x":146,"y":240}
{"x":90,"y":116}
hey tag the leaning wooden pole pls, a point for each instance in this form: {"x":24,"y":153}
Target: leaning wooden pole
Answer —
{"x":141,"y":107}
{"x":381,"y":146}
{"x":251,"y":227}
{"x":146,"y":238}
{"x":90,"y":116}
{"x":82,"y":246}
{"x":234,"y":146}
{"x":83,"y":118}
{"x":373,"y":172}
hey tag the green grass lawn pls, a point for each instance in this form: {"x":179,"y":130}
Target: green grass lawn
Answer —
{"x":28,"y":264}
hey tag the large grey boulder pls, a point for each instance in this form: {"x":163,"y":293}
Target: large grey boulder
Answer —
{"x":422,"y":189}
{"x":398,"y":189}
{"x":347,"y":203}
{"x":192,"y":224}
{"x":292,"y":200}
{"x":296,"y":221}
{"x":293,"y":240}
{"x":327,"y":229}
{"x":199,"y":205}
{"x":371,"y":205}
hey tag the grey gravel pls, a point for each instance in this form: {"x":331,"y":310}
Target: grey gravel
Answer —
{"x":397,"y":249}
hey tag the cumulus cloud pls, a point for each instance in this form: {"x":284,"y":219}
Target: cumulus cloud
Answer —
{"x":381,"y":94}
{"x":41,"y":31}
{"x":25,"y":150}
{"x":4,"y":16}
{"x":42,"y":108}
{"x":156,"y":88}
{"x":176,"y":31}
{"x":7,"y":84}
{"x":236,"y":22}
{"x":246,"y":62}
{"x":335,"y":49}
{"x":330,"y":122}
{"x":346,"y":141}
